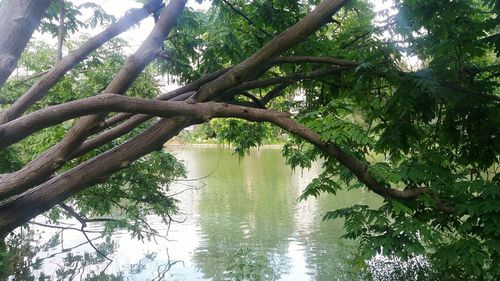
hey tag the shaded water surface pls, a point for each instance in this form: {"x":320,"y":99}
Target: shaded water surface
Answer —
{"x":241,"y":218}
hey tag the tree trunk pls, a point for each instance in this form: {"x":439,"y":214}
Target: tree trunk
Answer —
{"x":18,"y":20}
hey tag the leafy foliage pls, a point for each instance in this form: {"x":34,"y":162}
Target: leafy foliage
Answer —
{"x":72,"y":17}
{"x":429,"y":121}
{"x":129,"y":196}
{"x":244,"y":135}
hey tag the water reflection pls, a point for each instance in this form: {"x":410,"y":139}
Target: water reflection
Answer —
{"x":252,"y":204}
{"x":247,"y":205}
{"x":244,"y":221}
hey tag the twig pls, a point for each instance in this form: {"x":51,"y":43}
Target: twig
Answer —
{"x":247,"y":18}
{"x":60,"y":227}
{"x":92,"y":244}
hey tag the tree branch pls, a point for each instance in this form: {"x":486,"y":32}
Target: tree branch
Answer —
{"x":310,"y":59}
{"x":176,"y":95}
{"x":60,"y":187}
{"x":72,"y":181}
{"x":22,"y":127}
{"x":83,"y":222}
{"x":320,"y":16}
{"x":18,"y":20}
{"x":40,"y":88}
{"x":237,"y":11}
{"x":60,"y":37}
{"x":284,"y":79}
{"x":135,"y":120}
{"x":43,"y":166}
{"x":274,"y":93}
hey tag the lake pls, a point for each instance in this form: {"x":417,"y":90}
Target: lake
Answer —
{"x":240,"y":217}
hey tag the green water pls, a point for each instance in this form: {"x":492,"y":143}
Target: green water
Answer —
{"x":241,"y":218}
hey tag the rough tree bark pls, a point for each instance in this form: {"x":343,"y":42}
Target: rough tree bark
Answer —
{"x":42,"y":167}
{"x":35,"y":188}
{"x":14,"y":211}
{"x":18,"y":20}
{"x":48,"y":80}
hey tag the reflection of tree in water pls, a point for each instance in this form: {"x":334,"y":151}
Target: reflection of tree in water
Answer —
{"x":334,"y":261}
{"x":246,"y":205}
{"x":72,"y":263}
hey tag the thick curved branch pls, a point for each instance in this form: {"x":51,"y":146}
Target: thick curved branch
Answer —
{"x":60,"y":187}
{"x":180,"y":94}
{"x":13,"y":212}
{"x":24,"y":126}
{"x":40,"y":88}
{"x":41,"y":168}
{"x":139,"y":119}
{"x":244,"y":71}
{"x":205,"y":111}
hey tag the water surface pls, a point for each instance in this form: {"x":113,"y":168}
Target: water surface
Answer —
{"x":240,"y":216}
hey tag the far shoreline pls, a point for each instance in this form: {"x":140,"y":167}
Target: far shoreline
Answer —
{"x":176,"y":144}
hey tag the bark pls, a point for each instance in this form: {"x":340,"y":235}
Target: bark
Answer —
{"x":193,"y":86}
{"x":42,"y":167}
{"x":274,"y":93}
{"x":136,"y":120}
{"x":176,"y":95}
{"x":60,"y":36}
{"x":43,"y":197}
{"x":40,"y":88}
{"x":15,"y":211}
{"x":18,"y":20}
{"x":242,"y":72}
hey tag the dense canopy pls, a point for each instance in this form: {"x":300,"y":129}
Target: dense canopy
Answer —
{"x":404,"y":103}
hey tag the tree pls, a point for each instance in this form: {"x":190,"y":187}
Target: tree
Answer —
{"x":424,"y":139}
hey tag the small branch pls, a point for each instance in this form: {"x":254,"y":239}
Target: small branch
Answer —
{"x":26,"y":79}
{"x":274,"y":93}
{"x":237,"y":11}
{"x":257,"y":102}
{"x":284,"y":79}
{"x":470,"y":91}
{"x":60,"y":227}
{"x":66,"y":250}
{"x":311,"y":59}
{"x":41,"y":88}
{"x":74,"y":214}
{"x":357,"y":38}
{"x":83,"y":222}
{"x":92,"y":244}
{"x":60,"y":39}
